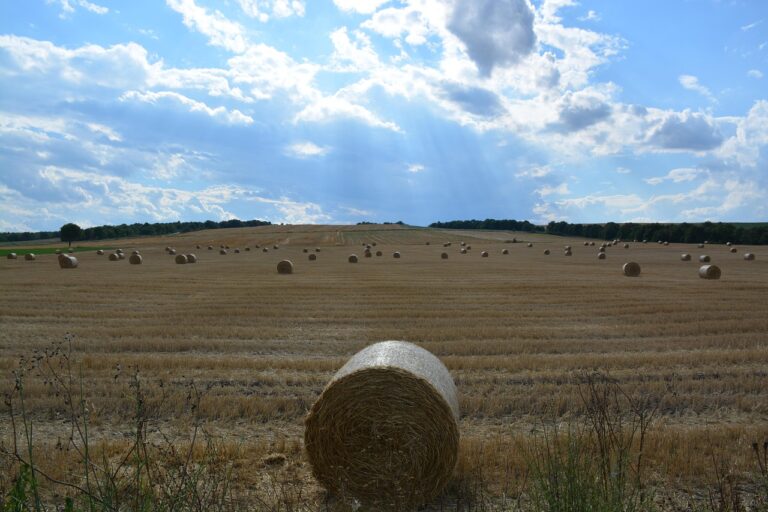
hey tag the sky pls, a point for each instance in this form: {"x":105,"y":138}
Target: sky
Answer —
{"x":341,"y":111}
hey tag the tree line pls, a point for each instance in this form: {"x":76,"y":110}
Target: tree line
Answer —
{"x":128,"y":230}
{"x":715,"y":232}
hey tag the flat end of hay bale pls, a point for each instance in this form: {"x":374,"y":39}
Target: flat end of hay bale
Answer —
{"x":285,"y":267}
{"x":709,"y":272}
{"x":352,"y":258}
{"x":631,"y":269}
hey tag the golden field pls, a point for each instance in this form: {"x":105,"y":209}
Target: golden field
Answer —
{"x":517,"y":332}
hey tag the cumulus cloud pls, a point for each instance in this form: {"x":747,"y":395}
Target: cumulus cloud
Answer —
{"x":359,"y":6}
{"x":337,"y":107}
{"x":676,"y":176}
{"x":755,"y":73}
{"x":475,"y":100}
{"x":219,"y":30}
{"x":415,"y":168}
{"x":685,"y":131}
{"x":580,"y":110}
{"x":68,"y":7}
{"x":691,"y":83}
{"x":495,"y":32}
{"x":349,"y":55}
{"x":306,"y":149}
{"x":220,"y":113}
{"x":263,"y":9}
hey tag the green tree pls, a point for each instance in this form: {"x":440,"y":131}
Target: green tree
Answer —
{"x":70,"y":233}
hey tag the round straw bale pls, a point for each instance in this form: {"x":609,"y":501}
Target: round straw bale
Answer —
{"x":463,"y":251}
{"x":257,"y":246}
{"x":586,"y":244}
{"x":379,"y":253}
{"x":352,"y":258}
{"x":631,"y":269}
{"x":701,"y":246}
{"x":685,"y":257}
{"x":463,"y":244}
{"x":368,"y":246}
{"x":385,"y":429}
{"x":601,"y":255}
{"x":505,"y":251}
{"x":167,"y":249}
{"x":210,"y":247}
{"x":748,"y":256}
{"x":29,"y":256}
{"x":591,"y":244}
{"x":135,"y":259}
{"x":67,"y":261}
{"x":704,"y":258}
{"x":285,"y":267}
{"x":709,"y":272}
{"x":317,"y":249}
{"x":118,"y":251}
{"x":237,"y":251}
{"x":374,"y":244}
{"x":645,"y":241}
{"x":181,"y":259}
{"x":484,"y":254}
{"x":305,"y":250}
{"x":197,"y":247}
{"x":567,"y":247}
{"x":706,"y":241}
{"x":248,"y":249}
{"x":469,"y":247}
{"x":666,"y":243}
{"x":530,"y":244}
{"x":114,"y":257}
{"x":567,"y":252}
{"x":275,"y":247}
{"x":546,"y":252}
{"x":172,"y":252}
{"x":222,"y":252}
{"x":191,"y":258}
{"x":367,"y":253}
{"x":312,"y":257}
{"x":221,"y":246}
{"x":120,"y":255}
{"x":601,"y":249}
{"x":12,"y":256}
{"x":100,"y":252}
{"x":734,"y":250}
{"x":728,"y":244}
{"x":396,"y":254}
{"x":427,"y":243}
{"x":447,"y":244}
{"x":226,"y":247}
{"x":444,"y":255}
{"x":265,"y":250}
{"x":626,"y":246}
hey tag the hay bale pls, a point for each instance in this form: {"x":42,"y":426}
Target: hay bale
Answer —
{"x":114,"y":257}
{"x":285,"y":267}
{"x":265,"y":250}
{"x":685,"y":257}
{"x":385,"y":429}
{"x":748,"y":256}
{"x":223,"y":252}
{"x":666,"y":243}
{"x":626,"y":246}
{"x":197,"y":247}
{"x":396,"y":254}
{"x":374,"y":244}
{"x":30,"y":256}
{"x":367,"y":253}
{"x":305,"y":250}
{"x":191,"y":258}
{"x":121,"y":255}
{"x":237,"y":251}
{"x":12,"y":256}
{"x":463,"y":244}
{"x":67,"y":261}
{"x":444,"y":256}
{"x":100,"y":252}
{"x":447,"y":244}
{"x":210,"y":247}
{"x":546,"y":252}
{"x":709,"y":272}
{"x":568,"y":252}
{"x":734,"y":250}
{"x":379,"y":253}
{"x":172,"y":252}
{"x":181,"y":259}
{"x":167,"y":248}
{"x":464,"y":251}
{"x":728,"y":244}
{"x":312,"y":257}
{"x":484,"y":254}
{"x":601,"y":250}
{"x":135,"y":259}
{"x":248,"y":249}
{"x":226,"y":247}
{"x":530,"y":244}
{"x":631,"y":269}
{"x":601,"y":255}
{"x":317,"y":249}
{"x":567,"y":247}
{"x":704,"y":258}
{"x":427,"y":243}
{"x":505,"y":251}
{"x":469,"y":247}
{"x":352,"y":258}
{"x":275,"y":247}
{"x":586,"y":244}
{"x":701,"y":246}
{"x":591,"y":244}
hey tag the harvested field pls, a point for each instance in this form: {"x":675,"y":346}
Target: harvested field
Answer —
{"x":516,"y":333}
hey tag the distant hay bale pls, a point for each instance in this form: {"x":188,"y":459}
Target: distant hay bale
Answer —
{"x":29,"y":256}
{"x":396,"y":254}
{"x":385,"y":429}
{"x":530,"y":244}
{"x":120,"y":255}
{"x":463,"y":251}
{"x":167,"y":249}
{"x":567,"y":247}
{"x":114,"y":257}
{"x":427,"y":243}
{"x":135,"y":259}
{"x":367,"y":253}
{"x":317,"y":249}
{"x":285,"y":267}
{"x":197,"y":247}
{"x":312,"y":257}
{"x":368,"y":246}
{"x":469,"y":247}
{"x":685,"y":257}
{"x":631,"y":269}
{"x":706,"y":241}
{"x":463,"y":244}
{"x":223,"y":252}
{"x":666,"y":243}
{"x":734,"y":250}
{"x":546,"y":252}
{"x":181,"y":259}
{"x":257,"y":246}
{"x":379,"y":253}
{"x":191,"y":258}
{"x":210,"y":247}
{"x":444,"y":255}
{"x":591,"y":244}
{"x":265,"y":250}
{"x":748,"y":256}
{"x":701,"y":246}
{"x":57,"y":251}
{"x":586,"y":244}
{"x":237,"y":251}
{"x":275,"y":247}
{"x":709,"y":272}
{"x":484,"y":254}
{"x":305,"y":250}
{"x":352,"y":258}
{"x":12,"y":256}
{"x":226,"y":247}
{"x":100,"y":252}
{"x":248,"y":249}
{"x":704,"y":258}
{"x":172,"y":252}
{"x":221,"y":246}
{"x":728,"y":244}
{"x":601,"y":255}
{"x":67,"y":261}
{"x":567,"y":252}
{"x":601,"y":250}
{"x":447,"y":244}
{"x":645,"y":241}
{"x":374,"y":244}
{"x":626,"y":246}
{"x":505,"y":251}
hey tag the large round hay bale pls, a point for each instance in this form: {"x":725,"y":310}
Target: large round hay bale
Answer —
{"x":734,"y":250}
{"x":67,"y":261}
{"x":546,"y":252}
{"x":181,"y":259}
{"x":586,"y":244}
{"x":685,"y":257}
{"x":601,"y":249}
{"x":704,"y":258}
{"x":12,"y":256}
{"x":591,"y":244}
{"x":191,"y":258}
{"x":484,"y":254}
{"x":447,"y":244}
{"x":312,"y":257}
{"x":167,"y":248}
{"x":285,"y":267}
{"x":505,"y":251}
{"x":100,"y":252}
{"x":469,"y":247}
{"x":223,"y":252}
{"x":135,"y":259}
{"x":464,"y":250}
{"x":385,"y":429}
{"x":30,"y":256}
{"x":567,"y":247}
{"x":197,"y":247}
{"x":379,"y":253}
{"x":444,"y":256}
{"x":374,"y":244}
{"x":114,"y":257}
{"x":396,"y":254}
{"x":601,"y":255}
{"x":352,"y":258}
{"x":709,"y":272}
{"x":275,"y":247}
{"x":265,"y":250}
{"x":666,"y":243}
{"x":317,"y":249}
{"x":626,"y":246}
{"x":248,"y":249}
{"x":631,"y":269}
{"x":367,"y":253}
{"x":748,"y":256}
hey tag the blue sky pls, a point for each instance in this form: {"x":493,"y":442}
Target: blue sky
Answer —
{"x":336,"y":111}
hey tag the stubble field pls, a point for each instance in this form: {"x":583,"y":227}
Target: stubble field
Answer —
{"x":518,"y":332}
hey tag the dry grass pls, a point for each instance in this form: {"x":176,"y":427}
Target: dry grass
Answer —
{"x":515,"y":332}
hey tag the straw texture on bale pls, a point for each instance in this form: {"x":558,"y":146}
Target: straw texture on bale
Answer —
{"x":685,"y":257}
{"x":285,"y":267}
{"x":100,"y":252}
{"x":191,"y":258}
{"x":312,"y":257}
{"x":601,"y":255}
{"x":181,"y":259}
{"x":265,"y":250}
{"x":29,"y":256}
{"x":484,"y":254}
{"x":275,"y":247}
{"x":586,"y":244}
{"x":352,"y":258}
{"x":113,"y":257}
{"x":631,"y":269}
{"x":135,"y":259}
{"x":749,"y":256}
{"x":444,"y":256}
{"x":67,"y":261}
{"x":395,"y":254}
{"x":704,"y":258}
{"x":385,"y":429}
{"x":11,"y":256}
{"x":601,"y":249}
{"x":709,"y":272}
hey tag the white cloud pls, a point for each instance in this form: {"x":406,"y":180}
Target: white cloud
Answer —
{"x":548,"y":190}
{"x":359,"y":6}
{"x":219,"y":30}
{"x":220,"y":113}
{"x":415,"y":168}
{"x":755,"y":73}
{"x":590,"y":16}
{"x":336,"y":107}
{"x":293,"y":212}
{"x":67,"y":8}
{"x":623,"y":170}
{"x":307,"y":149}
{"x":350,"y":55}
{"x":691,"y":83}
{"x":676,"y":176}
{"x":266,"y":70}
{"x":262,"y":9}
{"x":750,"y":26}
{"x":751,"y":138}
{"x":535,"y":172}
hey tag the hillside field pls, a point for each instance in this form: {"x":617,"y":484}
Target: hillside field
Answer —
{"x":517,"y":332}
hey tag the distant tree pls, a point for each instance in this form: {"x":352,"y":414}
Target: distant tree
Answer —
{"x":70,"y":233}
